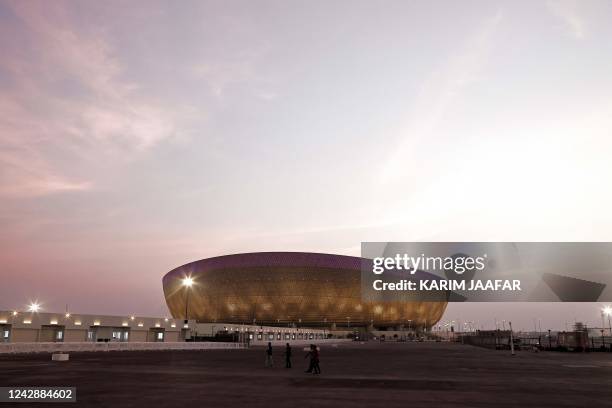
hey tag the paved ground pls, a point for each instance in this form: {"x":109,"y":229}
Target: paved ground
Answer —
{"x":369,"y":375}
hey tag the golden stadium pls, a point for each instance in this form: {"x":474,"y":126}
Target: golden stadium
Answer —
{"x":281,"y":288}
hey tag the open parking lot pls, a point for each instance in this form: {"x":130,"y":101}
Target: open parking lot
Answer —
{"x":356,"y":375}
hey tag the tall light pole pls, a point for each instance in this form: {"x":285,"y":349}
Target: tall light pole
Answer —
{"x":540,"y":332}
{"x":34,"y":307}
{"x":550,"y":339}
{"x":608,"y":311}
{"x":14,"y":314}
{"x":511,"y":339}
{"x":187,"y":283}
{"x":324,"y":326}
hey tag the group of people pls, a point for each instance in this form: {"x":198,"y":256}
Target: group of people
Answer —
{"x":313,"y":354}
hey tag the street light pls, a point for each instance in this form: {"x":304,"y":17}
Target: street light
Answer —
{"x":550,"y":340}
{"x":187,"y":282}
{"x":406,"y":335}
{"x":33,"y":307}
{"x":608,"y":311}
{"x":15,"y":313}
{"x":324,"y":327}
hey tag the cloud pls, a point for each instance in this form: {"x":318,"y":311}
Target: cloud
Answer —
{"x":220,"y":76}
{"x":42,"y":185}
{"x":239,"y":69}
{"x":267,"y":95}
{"x":65,"y":100}
{"x":567,"y":11}
{"x":29,"y":176}
{"x":439,"y":91}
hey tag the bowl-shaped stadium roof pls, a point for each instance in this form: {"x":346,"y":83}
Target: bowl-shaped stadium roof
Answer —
{"x":309,"y":289}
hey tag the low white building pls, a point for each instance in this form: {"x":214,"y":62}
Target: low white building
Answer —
{"x":34,"y":327}
{"x":29,"y":327}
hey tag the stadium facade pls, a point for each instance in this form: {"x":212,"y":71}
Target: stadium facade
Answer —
{"x":286,"y":289}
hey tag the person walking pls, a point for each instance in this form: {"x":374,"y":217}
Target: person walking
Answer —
{"x":314,"y":360}
{"x":311,"y":363}
{"x":315,"y":366}
{"x":288,"y":356}
{"x":269,"y":359}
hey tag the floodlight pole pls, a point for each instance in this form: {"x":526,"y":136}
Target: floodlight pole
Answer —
{"x":324,"y":326}
{"x":187,"y":290}
{"x":511,"y":339}
{"x":550,"y":339}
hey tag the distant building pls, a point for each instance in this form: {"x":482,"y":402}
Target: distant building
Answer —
{"x":37,"y":327}
{"x":26,"y":327}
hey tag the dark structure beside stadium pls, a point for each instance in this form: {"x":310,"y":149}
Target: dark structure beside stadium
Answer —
{"x":286,"y":288}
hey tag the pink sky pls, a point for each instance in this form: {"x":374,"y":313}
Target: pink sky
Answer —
{"x":139,"y":136}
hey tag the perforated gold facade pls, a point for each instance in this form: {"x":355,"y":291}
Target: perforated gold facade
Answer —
{"x":285,"y":287}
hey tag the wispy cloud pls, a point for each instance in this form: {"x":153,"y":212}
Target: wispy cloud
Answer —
{"x":568,"y":11}
{"x":30,"y":176}
{"x":221,"y":75}
{"x":438,"y":92}
{"x":238,"y":69}
{"x":66,"y":92}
